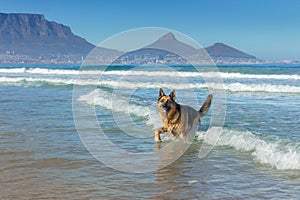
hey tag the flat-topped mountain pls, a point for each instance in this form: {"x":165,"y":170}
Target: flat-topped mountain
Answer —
{"x":32,"y":34}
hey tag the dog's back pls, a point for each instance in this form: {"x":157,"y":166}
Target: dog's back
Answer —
{"x":189,"y":118}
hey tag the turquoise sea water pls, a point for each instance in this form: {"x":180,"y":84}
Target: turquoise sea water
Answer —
{"x":42,"y":156}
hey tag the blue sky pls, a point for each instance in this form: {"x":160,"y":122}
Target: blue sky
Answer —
{"x":268,"y":29}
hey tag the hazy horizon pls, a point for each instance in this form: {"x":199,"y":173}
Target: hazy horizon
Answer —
{"x":267,"y":30}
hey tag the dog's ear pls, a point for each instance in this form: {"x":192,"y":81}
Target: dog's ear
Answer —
{"x":161,"y":93}
{"x":173,"y":95}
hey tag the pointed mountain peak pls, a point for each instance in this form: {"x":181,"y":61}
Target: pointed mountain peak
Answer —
{"x":220,"y":44}
{"x":168,"y":36}
{"x":168,"y":42}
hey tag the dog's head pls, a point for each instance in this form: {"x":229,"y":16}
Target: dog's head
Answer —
{"x":166,"y":103}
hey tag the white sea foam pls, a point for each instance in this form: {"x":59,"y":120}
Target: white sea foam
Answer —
{"x":239,"y":87}
{"x":38,"y":81}
{"x":259,"y":76}
{"x":47,"y":71}
{"x":12,"y":70}
{"x":279,"y":154}
{"x":223,"y":75}
{"x":233,"y":87}
{"x":103,"y":98}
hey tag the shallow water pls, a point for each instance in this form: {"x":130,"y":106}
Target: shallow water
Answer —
{"x":42,"y":156}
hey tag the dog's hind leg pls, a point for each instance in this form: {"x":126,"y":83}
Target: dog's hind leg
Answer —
{"x":158,"y":131}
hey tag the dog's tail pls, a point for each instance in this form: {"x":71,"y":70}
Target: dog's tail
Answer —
{"x":204,"y":108}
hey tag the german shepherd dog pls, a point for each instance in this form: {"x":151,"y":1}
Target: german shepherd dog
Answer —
{"x":178,"y":119}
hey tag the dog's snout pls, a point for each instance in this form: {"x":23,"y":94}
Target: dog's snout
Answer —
{"x":165,"y":107}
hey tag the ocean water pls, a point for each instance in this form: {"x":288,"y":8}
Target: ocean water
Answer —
{"x":42,"y":156}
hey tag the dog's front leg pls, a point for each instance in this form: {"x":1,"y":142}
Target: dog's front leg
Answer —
{"x":158,"y":131}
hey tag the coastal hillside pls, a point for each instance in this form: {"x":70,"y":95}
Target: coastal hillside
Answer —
{"x":32,"y":38}
{"x":223,"y":50}
{"x":32,"y":34}
{"x":168,"y":49}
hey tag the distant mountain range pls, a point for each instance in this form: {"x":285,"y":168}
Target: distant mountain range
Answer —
{"x":167,"y":49}
{"x":32,"y":38}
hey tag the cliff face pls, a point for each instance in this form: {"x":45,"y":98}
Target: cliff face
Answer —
{"x":32,"y":34}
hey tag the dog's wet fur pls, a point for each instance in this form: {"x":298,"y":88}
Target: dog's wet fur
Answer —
{"x":178,"y":119}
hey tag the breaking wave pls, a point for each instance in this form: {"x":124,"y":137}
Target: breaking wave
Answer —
{"x":232,"y":87}
{"x":279,"y":154}
{"x":103,"y":98}
{"x":223,"y":75}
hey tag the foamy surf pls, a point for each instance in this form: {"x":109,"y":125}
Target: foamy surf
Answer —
{"x":279,"y":154}
{"x":232,"y":87}
{"x":103,"y":98}
{"x":223,"y":75}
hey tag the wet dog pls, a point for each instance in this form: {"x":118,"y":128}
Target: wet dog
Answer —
{"x":178,"y":119}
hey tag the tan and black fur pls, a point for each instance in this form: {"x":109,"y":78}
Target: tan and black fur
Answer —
{"x":178,"y":119}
